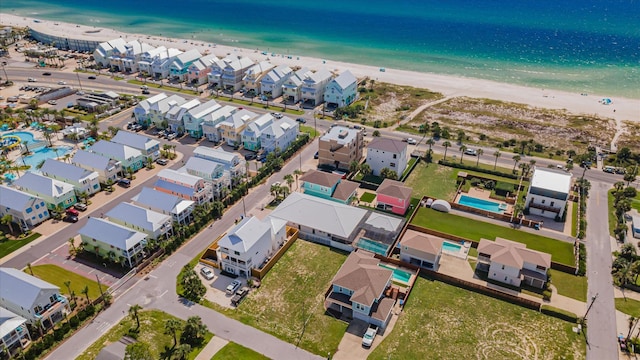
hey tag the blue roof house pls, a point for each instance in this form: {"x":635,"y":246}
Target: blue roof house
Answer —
{"x":179,"y":208}
{"x":341,"y":91}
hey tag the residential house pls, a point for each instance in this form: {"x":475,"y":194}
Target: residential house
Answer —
{"x":142,"y":111}
{"x":234,"y":164}
{"x":292,"y":87}
{"x":180,"y":66}
{"x":279,"y":134}
{"x":37,"y":301}
{"x":120,"y":243}
{"x":130,"y":158}
{"x":176,"y":113}
{"x":251,"y":133}
{"x":179,"y":209}
{"x":378,"y":233}
{"x":147,"y":58}
{"x":106,"y":167}
{"x":104,"y":51}
{"x":548,"y":192}
{"x":253,"y":76}
{"x":55,"y":193}
{"x":193,"y":118}
{"x":421,"y":249}
{"x":313,"y":87}
{"x":161,"y":64}
{"x":25,"y":209}
{"x":133,"y":54}
{"x":393,"y":196}
{"x":159,"y":110}
{"x":147,"y":146}
{"x":512,"y":263}
{"x":14,"y":333}
{"x":271,"y":83}
{"x":138,"y":218}
{"x":211,"y":122}
{"x":184,"y":185}
{"x":211,"y":171}
{"x":199,"y":70}
{"x":635,"y":225}
{"x":328,"y":186}
{"x":358,"y":290}
{"x":234,"y":72}
{"x":250,"y":244}
{"x":387,"y":153}
{"x":214,"y":76}
{"x":340,"y":146}
{"x":83,"y":180}
{"x":232,"y":127}
{"x":341,"y":91}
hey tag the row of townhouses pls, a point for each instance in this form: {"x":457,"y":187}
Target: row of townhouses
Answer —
{"x":231,"y":73}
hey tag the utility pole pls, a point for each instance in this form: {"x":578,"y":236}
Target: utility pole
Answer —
{"x":593,"y":300}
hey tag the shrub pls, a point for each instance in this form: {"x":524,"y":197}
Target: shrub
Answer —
{"x":502,"y":188}
{"x":478,"y":169}
{"x":559,"y":313}
{"x":475,"y":181}
{"x":489,"y":184}
{"x":546,"y":295}
{"x":74,"y":322}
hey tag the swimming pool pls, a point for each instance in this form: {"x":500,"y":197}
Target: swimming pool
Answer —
{"x":373,"y":246}
{"x":45,"y":153}
{"x":398,"y":275}
{"x":450,"y":247}
{"x":482,"y":204}
{"x":23,"y":135}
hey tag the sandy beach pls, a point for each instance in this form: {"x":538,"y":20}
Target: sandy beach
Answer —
{"x":451,"y":86}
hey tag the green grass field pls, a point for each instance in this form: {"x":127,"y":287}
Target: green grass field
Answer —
{"x":569,"y":285}
{"x":560,"y":251}
{"x":441,"y":321}
{"x":151,"y":332}
{"x":629,"y":306}
{"x":9,"y":246}
{"x":432,"y":180}
{"x":233,"y":351}
{"x":367,"y":197}
{"x":57,"y":276}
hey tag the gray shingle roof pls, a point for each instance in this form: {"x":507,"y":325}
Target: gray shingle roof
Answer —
{"x":388,"y":145}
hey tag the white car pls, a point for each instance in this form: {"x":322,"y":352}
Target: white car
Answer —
{"x":52,"y":102}
{"x":233,"y":287}
{"x":471,"y":152}
{"x":412,"y":141}
{"x":62,"y":82}
{"x":369,"y":336}
{"x":207,"y":273}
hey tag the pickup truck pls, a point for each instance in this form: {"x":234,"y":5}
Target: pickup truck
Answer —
{"x":240,"y":294}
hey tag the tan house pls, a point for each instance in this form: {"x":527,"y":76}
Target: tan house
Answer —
{"x":340,"y":146}
{"x":253,"y":77}
{"x":421,"y":249}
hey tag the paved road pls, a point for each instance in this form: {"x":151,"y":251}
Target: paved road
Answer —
{"x":601,"y":319}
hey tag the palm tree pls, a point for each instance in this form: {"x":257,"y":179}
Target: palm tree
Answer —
{"x":133,"y":312}
{"x":298,"y":172}
{"x":7,"y":220}
{"x":274,"y":190}
{"x":171,"y":327}
{"x":353,"y":166}
{"x":85,"y":292}
{"x":68,"y":285}
{"x":430,"y":142}
{"x":463,"y":148}
{"x":181,"y":352}
{"x":479,"y":152}
{"x":497,"y":155}
{"x":446,"y":145}
{"x":516,"y":159}
{"x":365,"y":169}
{"x":289,"y":180}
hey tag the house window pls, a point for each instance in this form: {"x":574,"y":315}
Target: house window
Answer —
{"x":29,"y":210}
{"x":395,"y":156}
{"x":551,"y":203}
{"x":539,"y":267}
{"x":502,"y":267}
{"x":542,"y":201}
{"x":392,"y":164}
{"x":236,"y":252}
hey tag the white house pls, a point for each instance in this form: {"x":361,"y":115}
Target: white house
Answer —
{"x":251,"y":133}
{"x":147,"y":58}
{"x":184,"y":185}
{"x":154,"y":109}
{"x":342,"y":90}
{"x":211,"y":171}
{"x":421,"y":249}
{"x":143,"y":109}
{"x":104,"y":50}
{"x":161,"y":63}
{"x":279,"y":134}
{"x":271,"y":84}
{"x":548,"y":193}
{"x":83,"y":180}
{"x":314,"y":85}
{"x":387,"y":153}
{"x":55,"y":193}
{"x":138,"y":218}
{"x":129,"y":157}
{"x":253,"y":76}
{"x":133,"y":54}
{"x":230,"y":130}
{"x":214,"y":77}
{"x":211,"y":122}
{"x":234,"y":72}
{"x":250,"y":244}
{"x":106,"y":168}
{"x":512,"y":263}
{"x":13,"y":332}
{"x":34,"y":299}
{"x":26,"y":209}
{"x":233,"y":163}
{"x":120,"y":243}
{"x":148,"y":147}
{"x":174,"y":116}
{"x":292,"y":87}
{"x":635,"y":225}
{"x":178,"y":208}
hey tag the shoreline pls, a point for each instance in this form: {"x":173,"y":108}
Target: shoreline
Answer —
{"x":621,"y":109}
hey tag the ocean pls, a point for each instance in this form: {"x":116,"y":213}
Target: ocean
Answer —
{"x":585,"y":46}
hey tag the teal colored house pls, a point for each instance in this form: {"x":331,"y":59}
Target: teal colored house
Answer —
{"x":341,"y":91}
{"x":53,"y":192}
{"x":328,"y":186}
{"x":128,"y":156}
{"x":252,"y":133}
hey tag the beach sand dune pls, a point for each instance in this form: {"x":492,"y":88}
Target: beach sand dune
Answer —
{"x":620,"y":108}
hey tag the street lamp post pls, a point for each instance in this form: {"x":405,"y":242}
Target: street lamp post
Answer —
{"x":593,"y":300}
{"x":6,"y":77}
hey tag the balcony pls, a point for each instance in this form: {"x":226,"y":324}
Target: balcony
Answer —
{"x":544,"y":207}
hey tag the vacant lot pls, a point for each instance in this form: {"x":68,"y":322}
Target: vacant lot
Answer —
{"x":430,"y":179}
{"x":233,"y":351}
{"x":441,"y":321}
{"x":58,"y":276}
{"x":471,"y":229}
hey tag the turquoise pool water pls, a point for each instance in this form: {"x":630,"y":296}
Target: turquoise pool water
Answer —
{"x":398,"y":275}
{"x":481,"y":204}
{"x":373,"y":246}
{"x":45,"y":153}
{"x":23,"y":135}
{"x":451,"y":247}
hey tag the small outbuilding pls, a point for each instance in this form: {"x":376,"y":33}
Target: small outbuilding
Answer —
{"x":441,"y":205}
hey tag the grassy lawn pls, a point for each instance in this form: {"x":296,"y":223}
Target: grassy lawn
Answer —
{"x":167,"y":87}
{"x":367,"y":197}
{"x":635,"y":202}
{"x":309,"y":129}
{"x":560,"y":251}
{"x":151,"y":332}
{"x":291,"y":294}
{"x":412,"y":160}
{"x":611,"y":212}
{"x":628,"y":306}
{"x":441,"y":320}
{"x":57,"y":276}
{"x":433,"y":180}
{"x":233,"y":351}
{"x":569,"y":285}
{"x":9,"y":246}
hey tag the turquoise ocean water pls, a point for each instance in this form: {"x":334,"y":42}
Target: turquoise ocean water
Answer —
{"x":588,"y":46}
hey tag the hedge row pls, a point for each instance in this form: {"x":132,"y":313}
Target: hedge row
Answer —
{"x":457,"y":165}
{"x":559,"y":313}
{"x":582,"y":259}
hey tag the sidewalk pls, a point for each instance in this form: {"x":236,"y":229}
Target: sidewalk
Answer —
{"x":214,"y":345}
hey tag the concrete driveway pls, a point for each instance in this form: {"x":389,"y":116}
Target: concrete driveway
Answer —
{"x":216,"y":288}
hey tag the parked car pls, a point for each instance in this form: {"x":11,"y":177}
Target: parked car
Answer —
{"x":72,"y":211}
{"x":52,"y":102}
{"x":80,"y":206}
{"x":411,"y":141}
{"x":250,"y":156}
{"x":241,"y":294}
{"x":316,"y":155}
{"x":61,"y":82}
{"x":31,"y":79}
{"x":162,"y":162}
{"x":233,"y":287}
{"x":124,"y":183}
{"x":369,"y":336}
{"x":301,"y":120}
{"x":70,"y":219}
{"x":609,"y":169}
{"x":277,"y":115}
{"x":145,"y":92}
{"x":91,"y":77}
{"x":46,"y":74}
{"x":172,"y":136}
{"x":261,"y":157}
{"x":207,"y":273}
{"x":471,"y":152}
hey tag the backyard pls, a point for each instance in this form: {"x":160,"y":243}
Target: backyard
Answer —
{"x":151,"y":332}
{"x":440,"y":320}
{"x":233,"y":351}
{"x":289,"y":303}
{"x":433,"y":180}
{"x":561,"y":252}
{"x":58,"y":276}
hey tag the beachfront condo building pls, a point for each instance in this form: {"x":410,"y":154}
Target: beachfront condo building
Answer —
{"x":180,"y":66}
{"x":387,"y":153}
{"x":279,"y":135}
{"x":192,"y":120}
{"x":251,"y":134}
{"x":271,"y":83}
{"x":340,"y":146}
{"x":133,"y":55}
{"x":146,"y":59}
{"x":234,"y":164}
{"x":253,"y":76}
{"x":104,"y":51}
{"x":291,"y":89}
{"x":173,"y":117}
{"x":234,"y":72}
{"x":199,"y":70}
{"x":342,"y":90}
{"x":313,"y":87}
{"x":548,"y":193}
{"x":232,"y":127}
{"x":210,"y":124}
